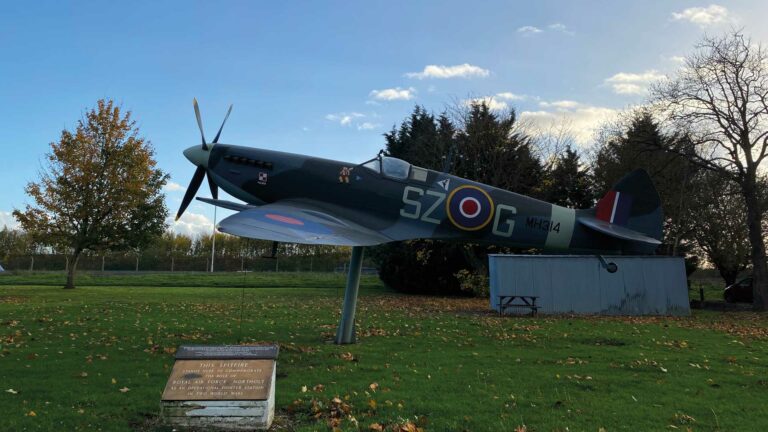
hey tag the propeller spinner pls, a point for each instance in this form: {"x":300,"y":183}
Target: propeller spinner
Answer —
{"x":199,"y":156}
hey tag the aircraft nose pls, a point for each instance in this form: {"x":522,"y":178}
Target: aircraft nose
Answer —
{"x":197,"y":155}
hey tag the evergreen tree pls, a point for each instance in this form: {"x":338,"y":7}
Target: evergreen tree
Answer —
{"x":639,"y":146}
{"x":569,"y":184}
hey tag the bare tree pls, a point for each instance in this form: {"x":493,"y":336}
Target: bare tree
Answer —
{"x":720,"y":231}
{"x":721,"y":97}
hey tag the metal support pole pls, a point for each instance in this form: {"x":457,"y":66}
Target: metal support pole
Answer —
{"x":346,"y":331}
{"x":213,"y":238}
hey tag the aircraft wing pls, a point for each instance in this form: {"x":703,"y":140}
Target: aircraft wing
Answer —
{"x":292,"y":222}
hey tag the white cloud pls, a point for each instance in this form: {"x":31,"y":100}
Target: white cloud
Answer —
{"x":560,"y":27}
{"x":172,"y":187}
{"x":529,"y":30}
{"x":497,"y":101}
{"x":510,"y":96}
{"x":555,"y":27}
{"x":396,"y":93}
{"x":703,"y":17}
{"x":492,"y":102}
{"x":676,"y":59}
{"x":632,"y":83}
{"x":367,"y":126}
{"x":465,"y":70}
{"x":561,"y":105}
{"x":582,"y":120}
{"x":7,"y":220}
{"x":191,"y":224}
{"x":353,"y":119}
{"x":344,"y":119}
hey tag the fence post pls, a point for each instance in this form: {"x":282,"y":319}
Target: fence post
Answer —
{"x":172,"y":259}
{"x":102,"y":263}
{"x":32,"y":263}
{"x":137,"y":263}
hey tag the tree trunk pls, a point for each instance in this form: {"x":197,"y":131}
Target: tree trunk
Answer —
{"x":759,"y":264}
{"x":71,"y":271}
{"x":729,"y":275}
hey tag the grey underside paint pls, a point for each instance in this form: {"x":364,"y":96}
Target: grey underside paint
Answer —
{"x":643,"y":285}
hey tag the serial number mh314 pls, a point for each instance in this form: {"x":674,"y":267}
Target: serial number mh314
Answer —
{"x":542,"y":224}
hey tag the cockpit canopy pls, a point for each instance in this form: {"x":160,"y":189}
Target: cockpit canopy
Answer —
{"x":395,"y":168}
{"x":389,"y":167}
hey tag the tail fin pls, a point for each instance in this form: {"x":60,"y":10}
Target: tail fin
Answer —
{"x":631,"y":210}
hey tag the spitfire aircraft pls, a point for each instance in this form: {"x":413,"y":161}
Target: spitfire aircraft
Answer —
{"x":303,"y":199}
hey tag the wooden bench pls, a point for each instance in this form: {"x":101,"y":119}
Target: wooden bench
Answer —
{"x":518,"y":301}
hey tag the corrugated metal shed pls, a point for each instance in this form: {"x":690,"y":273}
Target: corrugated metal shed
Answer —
{"x":642,"y":285}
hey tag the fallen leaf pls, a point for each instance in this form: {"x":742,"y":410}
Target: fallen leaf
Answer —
{"x":31,"y":414}
{"x":373,"y":386}
{"x":11,"y":391}
{"x":376,"y":427}
{"x":114,"y":381}
{"x":303,"y":389}
{"x":125,"y":390}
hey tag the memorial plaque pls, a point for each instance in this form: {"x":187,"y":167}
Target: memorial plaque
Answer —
{"x":219,"y":380}
{"x":230,"y":387}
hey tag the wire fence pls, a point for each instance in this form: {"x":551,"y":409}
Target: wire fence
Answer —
{"x":107,"y":263}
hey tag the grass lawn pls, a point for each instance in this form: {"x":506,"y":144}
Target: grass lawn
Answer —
{"x":98,"y":357}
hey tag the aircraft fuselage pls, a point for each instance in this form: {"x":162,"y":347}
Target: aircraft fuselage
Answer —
{"x":416,"y":203}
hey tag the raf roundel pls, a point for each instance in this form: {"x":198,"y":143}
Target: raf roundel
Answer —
{"x":469,"y":208}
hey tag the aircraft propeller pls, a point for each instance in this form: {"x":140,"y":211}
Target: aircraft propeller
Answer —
{"x":201,"y":171}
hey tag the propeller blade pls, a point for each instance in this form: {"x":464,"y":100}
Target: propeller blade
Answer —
{"x":194,"y":185}
{"x":199,"y":122}
{"x":214,"y":187}
{"x":216,"y":140}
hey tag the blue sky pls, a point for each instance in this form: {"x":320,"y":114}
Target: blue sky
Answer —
{"x":326,"y":78}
